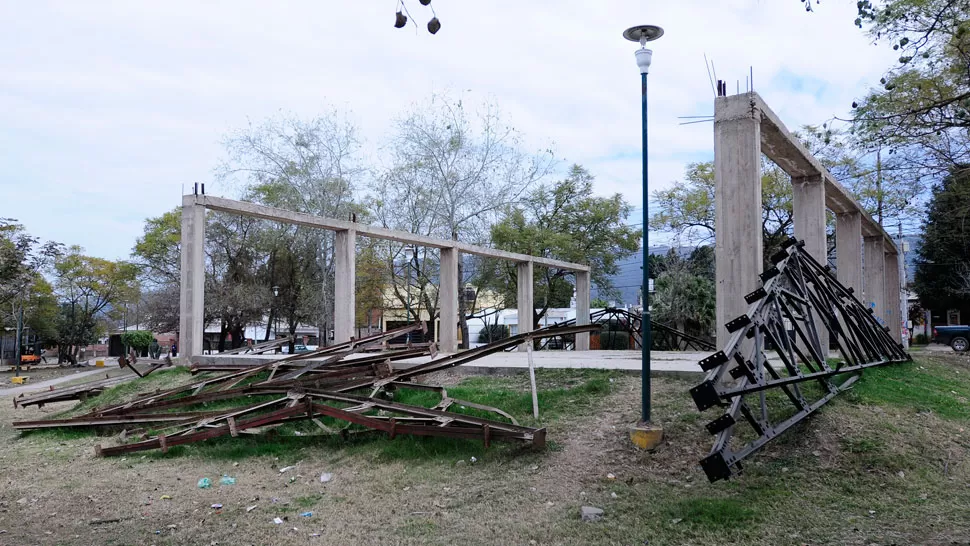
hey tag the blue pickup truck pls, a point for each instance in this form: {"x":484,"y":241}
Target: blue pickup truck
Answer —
{"x":957,"y":337}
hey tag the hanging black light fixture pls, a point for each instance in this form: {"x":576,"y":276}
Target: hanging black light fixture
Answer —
{"x":401,"y":20}
{"x":433,"y":25}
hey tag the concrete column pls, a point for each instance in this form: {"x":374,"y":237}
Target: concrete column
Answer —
{"x":808,"y":211}
{"x":192,"y":293}
{"x":582,"y":308}
{"x":893,"y":296}
{"x":737,"y":205}
{"x":524,"y":299}
{"x":848,"y":250}
{"x":344,"y":285}
{"x":874,"y":278}
{"x":448,"y":300}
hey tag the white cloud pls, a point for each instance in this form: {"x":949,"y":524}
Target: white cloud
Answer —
{"x":107,"y":108}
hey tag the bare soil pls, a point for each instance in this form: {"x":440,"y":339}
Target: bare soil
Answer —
{"x":818,"y":485}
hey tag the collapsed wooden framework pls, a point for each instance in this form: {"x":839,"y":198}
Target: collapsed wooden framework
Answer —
{"x":347,"y":384}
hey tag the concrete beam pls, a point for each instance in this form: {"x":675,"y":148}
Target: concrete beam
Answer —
{"x":448,"y":300}
{"x":848,"y":250}
{"x":808,"y":211}
{"x":192,"y":287}
{"x":344,"y":285}
{"x":737,"y":196}
{"x":309,"y":220}
{"x":788,"y":153}
{"x":874,"y":277}
{"x":893,"y":295}
{"x":524,"y":299}
{"x":582,"y":308}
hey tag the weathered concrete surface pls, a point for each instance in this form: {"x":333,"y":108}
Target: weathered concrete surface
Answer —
{"x":448,"y":300}
{"x":344,"y":285}
{"x":874,"y":278}
{"x":192,"y":294}
{"x":808,"y":211}
{"x":524,"y":300}
{"x":737,"y":196}
{"x":893,"y":296}
{"x":848,"y":250}
{"x":582,"y":308}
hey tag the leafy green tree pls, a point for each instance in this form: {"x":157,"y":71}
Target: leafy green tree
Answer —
{"x":598,"y":303}
{"x":87,"y":288}
{"x":944,"y":250}
{"x":923,"y":102}
{"x":137,"y":339}
{"x":566,"y":222}
{"x":684,"y":295}
{"x":687,"y":208}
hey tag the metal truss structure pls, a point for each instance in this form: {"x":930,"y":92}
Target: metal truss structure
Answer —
{"x":774,"y":372}
{"x":663,"y":337}
{"x":341,"y":386}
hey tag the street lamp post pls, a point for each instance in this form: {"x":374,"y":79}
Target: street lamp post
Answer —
{"x":645,"y":435}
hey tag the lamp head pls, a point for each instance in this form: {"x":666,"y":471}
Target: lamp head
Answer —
{"x":643,"y":34}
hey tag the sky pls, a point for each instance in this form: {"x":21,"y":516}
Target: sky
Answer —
{"x":109,"y":110}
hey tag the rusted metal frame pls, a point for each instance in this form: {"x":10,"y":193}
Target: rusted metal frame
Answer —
{"x":259,"y":347}
{"x":414,"y":410}
{"x":224,"y":415}
{"x":206,"y":434}
{"x":486,"y":432}
{"x":448,"y":401}
{"x":150,"y":399}
{"x":253,"y":390}
{"x":55,"y":394}
{"x":113,"y":420}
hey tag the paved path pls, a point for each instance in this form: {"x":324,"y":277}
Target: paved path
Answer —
{"x":45,"y":384}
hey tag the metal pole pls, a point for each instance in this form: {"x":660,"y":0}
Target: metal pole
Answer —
{"x":645,"y":338}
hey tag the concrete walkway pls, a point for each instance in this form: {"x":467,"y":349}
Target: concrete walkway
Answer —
{"x":677,"y":363}
{"x":47,"y":384}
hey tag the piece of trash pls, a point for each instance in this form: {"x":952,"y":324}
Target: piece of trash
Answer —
{"x":297,"y":433}
{"x":460,"y":462}
{"x":676,"y":520}
{"x":314,"y":534}
{"x":610,"y":476}
{"x":227,"y":480}
{"x":901,"y":474}
{"x":326,"y":477}
{"x":235,"y":464}
{"x":473,"y":460}
{"x":407,"y":488}
{"x":307,"y":514}
{"x":251,"y":508}
{"x":613,"y":494}
{"x":292,"y":479}
{"x":287,"y":468}
{"x":165,"y":497}
{"x":217,"y":506}
{"x":590,"y":513}
{"x":277,"y":521}
{"x":205,"y":483}
{"x":274,"y":500}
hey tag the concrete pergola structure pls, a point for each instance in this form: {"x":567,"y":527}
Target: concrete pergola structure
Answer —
{"x":744,"y":128}
{"x":192,"y":296}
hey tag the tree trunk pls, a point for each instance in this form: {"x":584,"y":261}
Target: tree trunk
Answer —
{"x":462,"y":310}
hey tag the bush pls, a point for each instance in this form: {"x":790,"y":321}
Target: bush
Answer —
{"x":920,"y":339}
{"x":492,"y":333}
{"x":613,"y":339}
{"x":137,"y":339}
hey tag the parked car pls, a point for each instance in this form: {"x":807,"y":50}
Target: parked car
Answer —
{"x":957,"y":337}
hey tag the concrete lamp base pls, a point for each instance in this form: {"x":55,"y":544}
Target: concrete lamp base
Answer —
{"x":646,"y":435}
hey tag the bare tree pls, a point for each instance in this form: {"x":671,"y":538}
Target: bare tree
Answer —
{"x":308,"y":166}
{"x":452,"y":172}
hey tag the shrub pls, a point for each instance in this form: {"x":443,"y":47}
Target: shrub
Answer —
{"x":138,"y":339}
{"x":614,"y":339}
{"x":920,"y":339}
